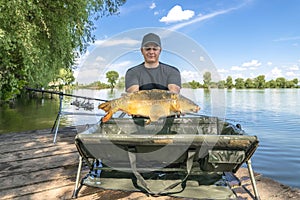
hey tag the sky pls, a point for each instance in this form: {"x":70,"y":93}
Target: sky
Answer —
{"x":237,"y":38}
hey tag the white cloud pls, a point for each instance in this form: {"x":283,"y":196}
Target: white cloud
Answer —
{"x":188,"y":76}
{"x":235,"y":76}
{"x":94,"y":72}
{"x":176,"y":14}
{"x":126,"y":41}
{"x":156,"y":13}
{"x":287,"y":39}
{"x":291,"y":74}
{"x":152,"y":6}
{"x":252,"y":63}
{"x":269,"y":63}
{"x":253,"y":75}
{"x":276,"y":72}
{"x":121,"y":67}
{"x":222,"y":70}
{"x":201,"y":17}
{"x":237,"y":68}
{"x":294,"y":68}
{"x":90,"y":76}
{"x":100,"y":59}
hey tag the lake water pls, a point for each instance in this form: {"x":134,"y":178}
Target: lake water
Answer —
{"x":271,"y":114}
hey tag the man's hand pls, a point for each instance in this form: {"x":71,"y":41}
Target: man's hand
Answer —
{"x":133,"y":88}
{"x":174,"y":88}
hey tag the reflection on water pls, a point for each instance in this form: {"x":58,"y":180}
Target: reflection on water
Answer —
{"x":28,"y":114}
{"x":271,"y":114}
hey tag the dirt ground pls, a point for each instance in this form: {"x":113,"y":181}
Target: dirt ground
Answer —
{"x":268,"y":189}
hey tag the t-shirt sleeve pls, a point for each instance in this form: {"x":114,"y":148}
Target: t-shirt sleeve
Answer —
{"x":131,"y":78}
{"x":174,"y":76}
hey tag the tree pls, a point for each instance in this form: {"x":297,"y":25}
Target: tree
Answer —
{"x":38,"y":38}
{"x":249,"y":83}
{"x":121,"y":82}
{"x":194,"y":84}
{"x":295,"y":81}
{"x":289,"y":84}
{"x":281,"y":82}
{"x":206,"y":79}
{"x":239,"y":83}
{"x":272,"y":84}
{"x":112,"y":77}
{"x":260,"y":81}
{"x":221,"y":84}
{"x":229,"y":83}
{"x":64,"y":77}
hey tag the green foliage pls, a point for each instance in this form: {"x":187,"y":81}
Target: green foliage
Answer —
{"x":112,"y":77}
{"x":64,"y":77}
{"x":38,"y":38}
{"x":94,"y":85}
{"x":249,"y":83}
{"x":206,"y":79}
{"x":239,"y":83}
{"x":281,"y":82}
{"x":259,"y":83}
{"x":229,"y":83}
{"x":194,"y":84}
{"x":221,"y":84}
{"x":121,"y":82}
{"x":295,"y":81}
{"x":271,"y":84}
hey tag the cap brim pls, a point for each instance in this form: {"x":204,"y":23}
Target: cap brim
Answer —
{"x":153,"y":42}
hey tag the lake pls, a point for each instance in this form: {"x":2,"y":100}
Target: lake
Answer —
{"x":271,"y":114}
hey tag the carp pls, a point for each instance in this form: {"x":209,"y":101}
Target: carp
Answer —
{"x":153,"y":104}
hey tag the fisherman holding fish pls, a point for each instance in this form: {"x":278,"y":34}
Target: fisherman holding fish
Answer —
{"x":152,"y":88}
{"x":152,"y":74}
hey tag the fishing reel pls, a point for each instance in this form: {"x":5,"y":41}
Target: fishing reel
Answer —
{"x":83,"y":104}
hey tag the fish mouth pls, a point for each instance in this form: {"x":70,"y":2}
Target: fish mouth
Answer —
{"x":196,"y":109}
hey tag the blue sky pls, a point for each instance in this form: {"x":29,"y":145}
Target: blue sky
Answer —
{"x":243,"y":38}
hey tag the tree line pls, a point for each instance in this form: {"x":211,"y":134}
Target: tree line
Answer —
{"x":40,"y":40}
{"x":239,"y":83}
{"x":258,"y":82}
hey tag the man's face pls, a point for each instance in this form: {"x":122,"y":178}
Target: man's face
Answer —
{"x":151,"y":53}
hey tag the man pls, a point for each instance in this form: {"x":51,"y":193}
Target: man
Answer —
{"x":152,"y":74}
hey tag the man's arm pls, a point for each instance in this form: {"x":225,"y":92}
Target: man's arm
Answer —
{"x":174,"y":88}
{"x":133,"y":88}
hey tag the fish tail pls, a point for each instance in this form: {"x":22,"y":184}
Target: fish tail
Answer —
{"x":105,"y":106}
{"x":107,"y":117}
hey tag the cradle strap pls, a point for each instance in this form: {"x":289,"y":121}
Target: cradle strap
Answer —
{"x":144,"y":185}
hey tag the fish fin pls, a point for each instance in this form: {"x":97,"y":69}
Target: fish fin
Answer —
{"x":105,"y":106}
{"x":107,"y":117}
{"x":174,"y":106}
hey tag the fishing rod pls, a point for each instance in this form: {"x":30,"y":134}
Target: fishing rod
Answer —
{"x":64,"y":94}
{"x":86,"y":106}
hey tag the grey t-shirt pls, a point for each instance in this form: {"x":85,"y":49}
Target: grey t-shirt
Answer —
{"x":152,"y":78}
